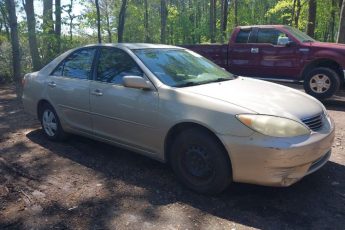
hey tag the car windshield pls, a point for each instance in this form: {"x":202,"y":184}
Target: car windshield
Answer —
{"x":181,"y":68}
{"x":300,"y":36}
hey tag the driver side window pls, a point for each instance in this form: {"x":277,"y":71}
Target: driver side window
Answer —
{"x":114,"y":64}
{"x":270,"y":36}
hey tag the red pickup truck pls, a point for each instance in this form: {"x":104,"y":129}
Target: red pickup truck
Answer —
{"x":280,"y":52}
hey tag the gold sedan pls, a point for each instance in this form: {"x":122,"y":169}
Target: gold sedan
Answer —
{"x":173,"y":105}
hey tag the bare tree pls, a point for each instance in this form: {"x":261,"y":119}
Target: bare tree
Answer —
{"x":341,"y":30}
{"x":122,"y":17}
{"x":31,"y":23}
{"x":71,"y":18}
{"x":98,"y":22}
{"x":311,"y":18}
{"x":12,"y":18}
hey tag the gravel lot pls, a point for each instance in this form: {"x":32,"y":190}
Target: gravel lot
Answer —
{"x":84,"y":184}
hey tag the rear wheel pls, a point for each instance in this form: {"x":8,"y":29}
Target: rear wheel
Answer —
{"x":200,"y":162}
{"x":321,"y":82}
{"x":51,"y":124}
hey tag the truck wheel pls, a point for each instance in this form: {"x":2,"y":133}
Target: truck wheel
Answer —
{"x":200,"y":162}
{"x":321,"y":82}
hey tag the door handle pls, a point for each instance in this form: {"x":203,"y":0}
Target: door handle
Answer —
{"x":52,"y":84}
{"x":97,"y":92}
{"x":254,"y":50}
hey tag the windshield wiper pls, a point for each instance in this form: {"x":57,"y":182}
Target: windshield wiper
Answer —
{"x":190,"y":83}
{"x":219,"y":80}
{"x":308,"y":40}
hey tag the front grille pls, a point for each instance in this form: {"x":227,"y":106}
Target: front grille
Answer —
{"x":315,"y":122}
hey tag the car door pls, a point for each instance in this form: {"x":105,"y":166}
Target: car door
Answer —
{"x":242,"y":58}
{"x":69,"y":89}
{"x":124,"y":115}
{"x":276,"y":60}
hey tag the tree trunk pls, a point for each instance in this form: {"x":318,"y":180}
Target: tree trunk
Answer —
{"x":341,"y":30}
{"x":58,"y":25}
{"x":164,"y":14}
{"x":224,"y":18}
{"x":107,"y":18}
{"x":71,"y":18}
{"x":99,"y":36}
{"x":311,"y":18}
{"x":12,"y":18}
{"x":31,"y":22}
{"x":5,"y":19}
{"x":213,"y":21}
{"x":235,"y":12}
{"x":298,"y":12}
{"x":48,"y":25}
{"x":332,"y":20}
{"x":146,"y":22}
{"x":122,"y":17}
{"x":48,"y":29}
{"x":293,"y":12}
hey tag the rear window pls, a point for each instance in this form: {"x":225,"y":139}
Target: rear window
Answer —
{"x":243,"y":36}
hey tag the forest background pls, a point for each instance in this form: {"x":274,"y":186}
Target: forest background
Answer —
{"x":33,"y":32}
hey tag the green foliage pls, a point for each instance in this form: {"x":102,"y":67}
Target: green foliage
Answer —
{"x":188,"y":22}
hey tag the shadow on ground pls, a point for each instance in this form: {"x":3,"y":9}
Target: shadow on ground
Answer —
{"x":316,"y":202}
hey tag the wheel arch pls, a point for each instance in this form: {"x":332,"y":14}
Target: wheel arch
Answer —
{"x":40,"y":105}
{"x":327,"y":63}
{"x":180,"y":127}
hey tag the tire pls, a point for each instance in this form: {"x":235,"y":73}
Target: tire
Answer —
{"x":200,"y":162}
{"x":51,"y":124}
{"x":328,"y":85}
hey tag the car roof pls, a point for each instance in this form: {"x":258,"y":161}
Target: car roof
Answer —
{"x":262,"y":26}
{"x":134,"y":46}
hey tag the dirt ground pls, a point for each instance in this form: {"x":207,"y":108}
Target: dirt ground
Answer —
{"x":84,"y":184}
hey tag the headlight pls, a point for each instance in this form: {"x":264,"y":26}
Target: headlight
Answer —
{"x":273,"y":126}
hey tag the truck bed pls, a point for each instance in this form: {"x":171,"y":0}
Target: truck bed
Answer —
{"x":218,"y":53}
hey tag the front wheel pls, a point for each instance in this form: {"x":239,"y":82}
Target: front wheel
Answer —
{"x":200,"y":162}
{"x":321,"y":83}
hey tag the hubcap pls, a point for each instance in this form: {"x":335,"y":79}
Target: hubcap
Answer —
{"x":49,"y":123}
{"x":320,"y":83}
{"x":197,"y":163}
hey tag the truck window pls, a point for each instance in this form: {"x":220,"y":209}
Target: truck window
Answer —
{"x":243,"y":36}
{"x":269,"y":36}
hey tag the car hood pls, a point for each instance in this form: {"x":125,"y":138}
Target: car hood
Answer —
{"x":261,"y":97}
{"x":328,"y":45}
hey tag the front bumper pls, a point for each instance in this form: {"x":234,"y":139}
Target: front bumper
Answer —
{"x":271,"y":161}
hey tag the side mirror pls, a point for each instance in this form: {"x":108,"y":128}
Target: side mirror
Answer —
{"x":284,"y":41}
{"x":136,"y":82}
